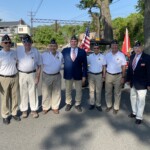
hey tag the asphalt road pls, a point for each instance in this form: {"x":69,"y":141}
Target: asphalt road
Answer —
{"x":89,"y":130}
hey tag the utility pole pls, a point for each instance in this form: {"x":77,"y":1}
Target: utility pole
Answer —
{"x":56,"y":26}
{"x":31,"y":21}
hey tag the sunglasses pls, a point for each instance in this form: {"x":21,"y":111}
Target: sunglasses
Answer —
{"x":7,"y":42}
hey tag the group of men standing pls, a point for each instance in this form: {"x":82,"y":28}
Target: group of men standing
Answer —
{"x":21,"y":69}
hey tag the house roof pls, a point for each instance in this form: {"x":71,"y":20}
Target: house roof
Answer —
{"x":12,"y":23}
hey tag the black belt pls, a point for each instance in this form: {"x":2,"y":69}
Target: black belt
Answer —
{"x":95,"y":73}
{"x":8,"y":76}
{"x":114,"y":73}
{"x":27,"y":72}
{"x":52,"y":74}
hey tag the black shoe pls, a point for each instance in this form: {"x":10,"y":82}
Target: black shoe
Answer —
{"x":115,"y":111}
{"x":17,"y":118}
{"x":68,"y":107}
{"x":78,"y":108}
{"x":6,"y":121}
{"x":91,"y":107}
{"x":99,"y":108}
{"x":138,"y":121}
{"x":131,"y":116}
{"x":108,"y":109}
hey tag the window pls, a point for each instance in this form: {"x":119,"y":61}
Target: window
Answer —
{"x":20,"y":29}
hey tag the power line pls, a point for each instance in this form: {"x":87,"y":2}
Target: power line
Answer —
{"x":38,"y":7}
{"x":58,"y":21}
{"x":33,"y":5}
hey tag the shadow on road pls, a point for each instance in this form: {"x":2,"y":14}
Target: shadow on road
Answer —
{"x":65,"y":133}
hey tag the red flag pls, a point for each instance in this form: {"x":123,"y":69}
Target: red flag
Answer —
{"x":126,"y":44}
{"x":85,"y":44}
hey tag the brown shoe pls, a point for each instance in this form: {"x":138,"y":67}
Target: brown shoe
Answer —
{"x":45,"y":111}
{"x":24,"y":114}
{"x":34,"y":114}
{"x":108,"y":109}
{"x":115,"y":111}
{"x":55,"y":111}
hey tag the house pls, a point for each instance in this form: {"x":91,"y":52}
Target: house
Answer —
{"x":14,"y":27}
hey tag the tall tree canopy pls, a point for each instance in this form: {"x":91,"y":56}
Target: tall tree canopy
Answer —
{"x":147,"y":26}
{"x":102,"y":16}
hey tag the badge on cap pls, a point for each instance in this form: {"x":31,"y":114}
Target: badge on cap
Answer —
{"x":137,"y":44}
{"x":27,"y":38}
{"x":53,"y":41}
{"x":6,"y":38}
{"x":96,"y":44}
{"x":114,"y":42}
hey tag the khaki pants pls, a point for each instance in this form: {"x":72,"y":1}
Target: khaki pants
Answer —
{"x":51,"y":91}
{"x":110,"y":82}
{"x":95,"y":86}
{"x":78,"y":88}
{"x":28,"y":91}
{"x":9,"y":96}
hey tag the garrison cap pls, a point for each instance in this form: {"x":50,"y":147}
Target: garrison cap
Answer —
{"x":53,"y":41}
{"x":74,"y":38}
{"x":27,"y":38}
{"x":6,"y":38}
{"x":114,"y":42}
{"x":137,"y":44}
{"x":96,"y":44}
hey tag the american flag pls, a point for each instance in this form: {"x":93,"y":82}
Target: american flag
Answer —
{"x":85,"y":44}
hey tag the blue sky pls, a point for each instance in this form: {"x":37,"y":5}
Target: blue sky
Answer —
{"x":13,"y":10}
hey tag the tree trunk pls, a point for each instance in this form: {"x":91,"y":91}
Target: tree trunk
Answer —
{"x":96,"y":19}
{"x":106,"y":20}
{"x":147,"y":27}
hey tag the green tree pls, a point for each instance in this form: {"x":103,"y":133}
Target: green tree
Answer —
{"x":103,"y":16}
{"x":147,"y":26}
{"x":134,"y":23}
{"x":140,"y":6}
{"x":43,"y":34}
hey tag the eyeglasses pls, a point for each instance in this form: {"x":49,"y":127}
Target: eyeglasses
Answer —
{"x":7,"y":42}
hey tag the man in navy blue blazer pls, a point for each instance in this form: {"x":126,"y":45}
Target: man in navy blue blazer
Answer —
{"x":75,"y":71}
{"x":138,"y":76}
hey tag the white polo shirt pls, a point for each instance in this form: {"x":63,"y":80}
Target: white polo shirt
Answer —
{"x":114,"y":62}
{"x":96,"y":62}
{"x":8,"y":61}
{"x":28,"y":61}
{"x":52,"y":63}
